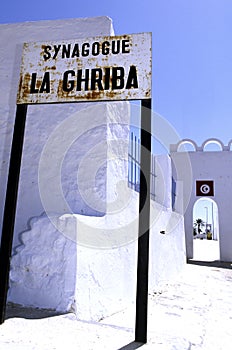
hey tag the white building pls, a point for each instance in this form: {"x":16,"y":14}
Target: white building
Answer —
{"x":75,"y":240}
{"x":209,"y":168}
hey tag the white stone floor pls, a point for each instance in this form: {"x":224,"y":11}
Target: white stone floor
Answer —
{"x":205,"y":250}
{"x":194,"y":312}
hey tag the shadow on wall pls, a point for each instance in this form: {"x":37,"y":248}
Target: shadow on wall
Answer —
{"x":215,"y":263}
{"x":30,"y":313}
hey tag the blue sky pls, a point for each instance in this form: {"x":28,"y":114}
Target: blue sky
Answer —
{"x":192,"y":53}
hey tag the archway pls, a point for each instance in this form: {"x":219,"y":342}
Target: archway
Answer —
{"x":206,"y":230}
{"x":211,"y":145}
{"x":186,"y":145}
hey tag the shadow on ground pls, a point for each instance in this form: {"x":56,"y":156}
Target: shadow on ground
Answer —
{"x":132,"y":346}
{"x":15,"y":310}
{"x":215,"y":263}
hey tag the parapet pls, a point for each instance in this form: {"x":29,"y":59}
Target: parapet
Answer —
{"x":202,"y":148}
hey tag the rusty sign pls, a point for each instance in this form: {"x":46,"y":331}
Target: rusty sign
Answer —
{"x":100,"y":68}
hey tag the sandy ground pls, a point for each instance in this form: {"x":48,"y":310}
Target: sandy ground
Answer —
{"x":193,"y":312}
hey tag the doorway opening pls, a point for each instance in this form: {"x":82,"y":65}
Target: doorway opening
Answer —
{"x":206,"y":230}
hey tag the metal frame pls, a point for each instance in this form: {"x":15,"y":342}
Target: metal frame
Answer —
{"x":144,"y":215}
{"x":144,"y":225}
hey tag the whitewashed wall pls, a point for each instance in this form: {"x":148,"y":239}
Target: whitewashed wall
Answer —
{"x":163,"y":181}
{"x":211,"y":165}
{"x":41,"y":120}
{"x":82,"y":255}
{"x":51,"y":271}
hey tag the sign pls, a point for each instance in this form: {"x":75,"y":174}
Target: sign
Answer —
{"x":101,"y":68}
{"x":95,"y":69}
{"x":204,"y":188}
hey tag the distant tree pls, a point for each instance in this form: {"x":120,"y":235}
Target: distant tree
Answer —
{"x":198,"y":223}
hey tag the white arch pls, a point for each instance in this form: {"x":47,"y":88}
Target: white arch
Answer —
{"x":212,"y":140}
{"x":210,"y":215}
{"x":187,"y":141}
{"x":229,"y":144}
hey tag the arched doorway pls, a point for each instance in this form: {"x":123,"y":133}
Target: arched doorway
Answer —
{"x":205,"y":230}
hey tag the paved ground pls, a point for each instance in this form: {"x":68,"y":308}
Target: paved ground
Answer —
{"x":193,"y":312}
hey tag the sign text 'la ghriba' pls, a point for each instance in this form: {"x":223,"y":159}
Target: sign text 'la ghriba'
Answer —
{"x":101,"y":68}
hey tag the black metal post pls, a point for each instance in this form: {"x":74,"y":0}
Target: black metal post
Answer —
{"x":10,"y":205}
{"x":144,"y":224}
